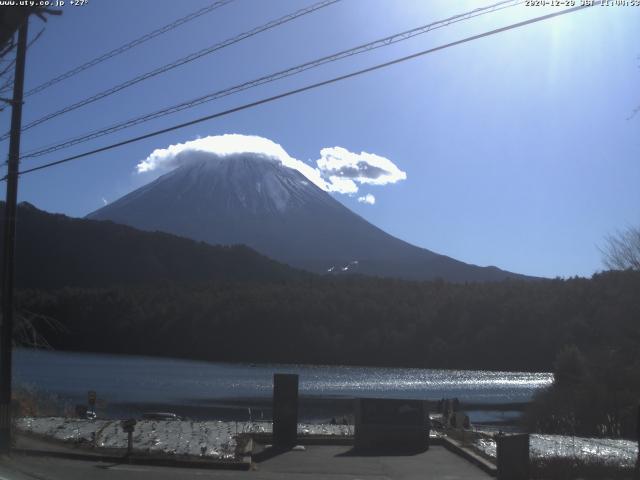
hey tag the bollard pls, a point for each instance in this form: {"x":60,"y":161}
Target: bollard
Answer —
{"x":513,"y":456}
{"x":637,"y":469}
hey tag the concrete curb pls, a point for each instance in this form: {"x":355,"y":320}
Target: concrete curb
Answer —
{"x":60,"y":449}
{"x":267,"y":438}
{"x":469,"y":455}
{"x":243,"y":464}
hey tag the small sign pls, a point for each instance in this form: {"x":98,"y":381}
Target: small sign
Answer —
{"x":128,"y":425}
{"x":92,"y":398}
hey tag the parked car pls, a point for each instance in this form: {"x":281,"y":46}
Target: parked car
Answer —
{"x":160,"y":416}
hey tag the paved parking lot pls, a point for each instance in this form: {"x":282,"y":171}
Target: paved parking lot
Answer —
{"x":315,"y":462}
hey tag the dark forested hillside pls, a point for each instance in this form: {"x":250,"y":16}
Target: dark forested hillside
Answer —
{"x":511,"y":325}
{"x":55,"y":251}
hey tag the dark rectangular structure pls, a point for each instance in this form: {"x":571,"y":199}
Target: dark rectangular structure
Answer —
{"x":391,"y":424}
{"x":285,"y":409}
{"x":513,"y":456}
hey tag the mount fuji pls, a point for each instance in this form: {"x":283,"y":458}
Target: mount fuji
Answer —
{"x":259,"y":202}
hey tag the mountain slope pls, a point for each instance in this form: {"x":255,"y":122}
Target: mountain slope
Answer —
{"x":55,"y":251}
{"x":278,"y":212}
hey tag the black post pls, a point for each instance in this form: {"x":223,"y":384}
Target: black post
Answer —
{"x":637,"y":469}
{"x":6,"y":330}
{"x":285,"y":409}
{"x":129,"y":443}
{"x":512,"y":456}
{"x":128,"y":426}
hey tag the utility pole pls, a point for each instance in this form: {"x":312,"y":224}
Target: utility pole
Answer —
{"x":8,"y":254}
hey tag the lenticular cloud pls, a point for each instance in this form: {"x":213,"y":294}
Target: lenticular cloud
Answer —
{"x":338,"y":170}
{"x":361,"y":167}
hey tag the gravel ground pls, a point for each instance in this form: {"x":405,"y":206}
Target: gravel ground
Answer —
{"x":211,"y":439}
{"x":612,"y":451}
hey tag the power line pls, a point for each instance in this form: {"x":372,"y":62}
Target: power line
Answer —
{"x":128,"y":46}
{"x":177,"y":63}
{"x":8,"y":85}
{"x":308,"y":87}
{"x":386,"y":41}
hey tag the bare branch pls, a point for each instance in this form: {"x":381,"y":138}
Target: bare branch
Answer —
{"x":622,"y":250}
{"x":26,"y":332}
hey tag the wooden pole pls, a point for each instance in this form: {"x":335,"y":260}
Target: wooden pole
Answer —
{"x":8,"y":254}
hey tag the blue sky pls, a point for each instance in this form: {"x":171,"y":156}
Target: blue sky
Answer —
{"x":518,"y":148}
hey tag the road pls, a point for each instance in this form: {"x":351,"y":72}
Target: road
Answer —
{"x":314,"y":463}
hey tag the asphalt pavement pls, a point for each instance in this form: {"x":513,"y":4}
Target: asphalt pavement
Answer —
{"x":314,"y":462}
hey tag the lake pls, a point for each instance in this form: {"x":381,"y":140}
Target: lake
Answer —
{"x":131,"y":384}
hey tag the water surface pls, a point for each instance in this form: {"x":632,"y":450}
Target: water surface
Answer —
{"x":136,"y":380}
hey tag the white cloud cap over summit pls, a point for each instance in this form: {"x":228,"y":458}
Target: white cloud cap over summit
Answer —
{"x":221,"y":146}
{"x":338,"y":170}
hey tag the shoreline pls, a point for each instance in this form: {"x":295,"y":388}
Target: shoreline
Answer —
{"x":312,"y":408}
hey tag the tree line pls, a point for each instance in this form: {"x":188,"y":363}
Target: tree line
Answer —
{"x":510,"y":325}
